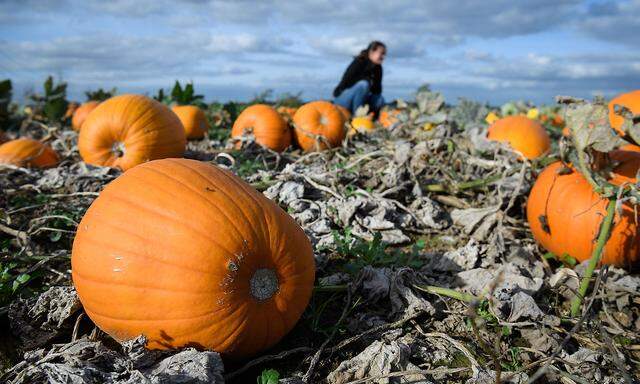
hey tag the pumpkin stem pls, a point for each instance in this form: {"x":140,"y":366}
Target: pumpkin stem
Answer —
{"x":264,"y":284}
{"x":603,"y":236}
{"x":118,"y":148}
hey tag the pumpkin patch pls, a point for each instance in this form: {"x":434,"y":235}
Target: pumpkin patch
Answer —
{"x":225,"y":236}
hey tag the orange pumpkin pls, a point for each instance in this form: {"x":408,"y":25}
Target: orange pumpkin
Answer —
{"x":361,"y":124}
{"x":28,"y":153}
{"x":193,"y":120}
{"x":526,"y":136}
{"x":630,"y":147}
{"x":128,"y":130}
{"x":388,"y":117}
{"x":627,"y":160}
{"x":188,"y":254}
{"x":345,"y":112}
{"x":81,"y":113}
{"x":266,"y":125}
{"x":319,"y":125}
{"x":630,"y":100}
{"x":71,"y":109}
{"x":564,"y":214}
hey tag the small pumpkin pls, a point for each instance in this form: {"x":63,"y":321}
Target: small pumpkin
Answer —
{"x":28,"y":153}
{"x":319,"y":125}
{"x":266,"y":125}
{"x":81,"y":113}
{"x":188,"y":254}
{"x":526,"y":136}
{"x":565,"y":214}
{"x":388,"y":117}
{"x":630,"y":100}
{"x":345,"y":112}
{"x":491,"y":118}
{"x":193,"y":120}
{"x":128,"y":130}
{"x":630,"y":147}
{"x":361,"y":124}
{"x":71,"y":109}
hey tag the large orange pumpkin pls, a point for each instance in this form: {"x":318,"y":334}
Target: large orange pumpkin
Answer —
{"x":28,"y":153}
{"x":128,"y":130}
{"x":188,"y":254}
{"x":564,"y":214}
{"x":266,"y":125}
{"x":193,"y":120}
{"x":81,"y":113}
{"x":630,"y":100}
{"x":526,"y":136}
{"x":319,"y":125}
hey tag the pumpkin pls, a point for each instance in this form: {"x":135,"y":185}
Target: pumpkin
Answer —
{"x":491,"y":118}
{"x":627,"y":160}
{"x":345,"y":112}
{"x":362,"y":124}
{"x":28,"y":153}
{"x":533,"y":113}
{"x":389,"y":117}
{"x":630,"y":147}
{"x":564,"y":214}
{"x":128,"y":130}
{"x":319,"y":125}
{"x":187,"y":254}
{"x":81,"y":113}
{"x":266,"y":125}
{"x":193,"y":120}
{"x":526,"y":136}
{"x":630,"y":100}
{"x":71,"y":109}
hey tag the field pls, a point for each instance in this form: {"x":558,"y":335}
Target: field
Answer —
{"x":426,"y":267}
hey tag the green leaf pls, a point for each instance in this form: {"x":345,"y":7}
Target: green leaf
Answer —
{"x":55,"y":109}
{"x":48,"y":86}
{"x":269,"y":376}
{"x":20,"y":280}
{"x":55,"y":236}
{"x":176,"y":92}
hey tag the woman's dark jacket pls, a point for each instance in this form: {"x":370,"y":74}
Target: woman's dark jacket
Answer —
{"x":361,"y":69}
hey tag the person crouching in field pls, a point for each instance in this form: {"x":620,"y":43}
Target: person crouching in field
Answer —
{"x":362,"y":81}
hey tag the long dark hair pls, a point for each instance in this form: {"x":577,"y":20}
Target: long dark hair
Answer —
{"x":364,"y":54}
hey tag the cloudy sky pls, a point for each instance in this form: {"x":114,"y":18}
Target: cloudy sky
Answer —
{"x":491,"y":50}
